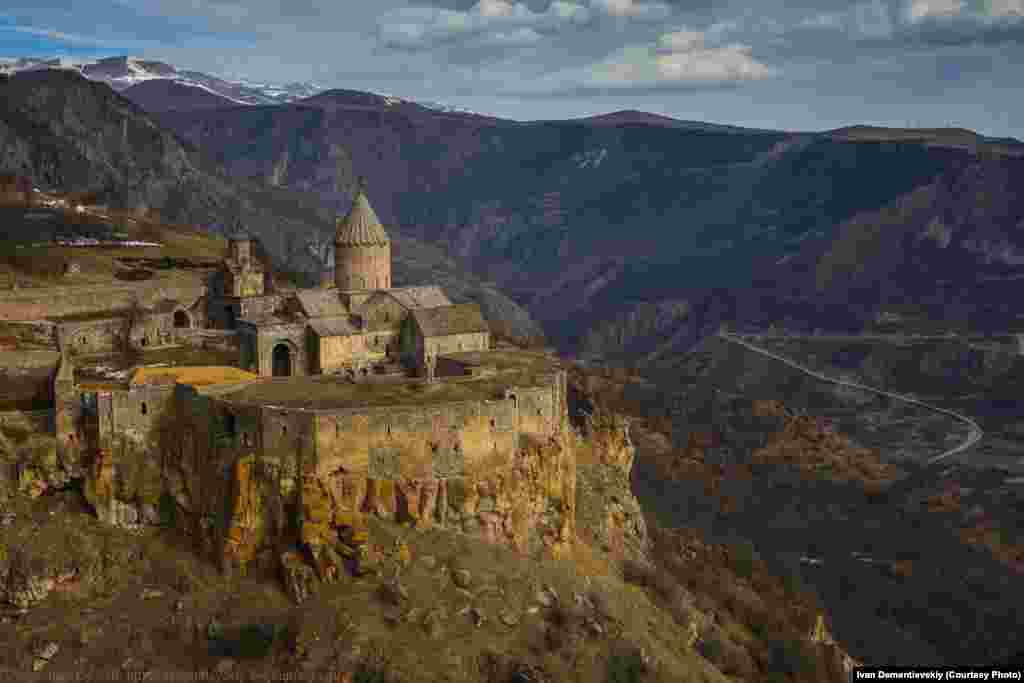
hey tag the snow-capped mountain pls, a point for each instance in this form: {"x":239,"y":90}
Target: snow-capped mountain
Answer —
{"x":124,"y":72}
{"x":121,"y":73}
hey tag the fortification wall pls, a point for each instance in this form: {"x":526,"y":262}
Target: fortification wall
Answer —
{"x":93,"y":336}
{"x":37,"y":304}
{"x":422,"y":442}
{"x":31,"y":421}
{"x":35,"y":333}
{"x":26,"y":379}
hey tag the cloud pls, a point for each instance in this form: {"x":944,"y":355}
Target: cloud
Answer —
{"x":679,"y":60}
{"x":1005,"y":8}
{"x":645,"y":11}
{"x":488,"y":22}
{"x":921,"y":9}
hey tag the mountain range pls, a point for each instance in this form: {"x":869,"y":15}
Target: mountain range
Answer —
{"x":625,"y":235}
{"x":183,"y":88}
{"x":70,"y":134}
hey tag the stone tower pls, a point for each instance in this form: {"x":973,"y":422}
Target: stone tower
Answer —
{"x":244,"y":274}
{"x":362,"y":250}
{"x":67,"y":409}
{"x":240,"y":248}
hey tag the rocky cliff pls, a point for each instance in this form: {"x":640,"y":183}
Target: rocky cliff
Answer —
{"x":313,"y":526}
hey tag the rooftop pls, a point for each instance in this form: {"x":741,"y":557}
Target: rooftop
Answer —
{"x":192,"y":375}
{"x":118,"y":367}
{"x":447,"y":320}
{"x":361,"y":226}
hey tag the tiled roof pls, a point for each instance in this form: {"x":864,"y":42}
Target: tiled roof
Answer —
{"x":335,"y":326}
{"x":447,"y":320}
{"x":361,"y":226}
{"x":320,"y":303}
{"x":165,"y":306}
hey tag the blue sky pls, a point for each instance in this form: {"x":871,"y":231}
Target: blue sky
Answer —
{"x":789,"y":64}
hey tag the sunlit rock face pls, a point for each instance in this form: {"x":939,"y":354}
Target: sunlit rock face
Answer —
{"x":609,"y":516}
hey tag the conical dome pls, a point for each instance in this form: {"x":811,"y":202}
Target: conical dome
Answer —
{"x":361,"y":226}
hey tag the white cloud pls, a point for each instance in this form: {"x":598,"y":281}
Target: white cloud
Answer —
{"x":632,"y":9}
{"x":679,"y":59}
{"x":1004,"y":8}
{"x":488,"y":22}
{"x":924,"y":9}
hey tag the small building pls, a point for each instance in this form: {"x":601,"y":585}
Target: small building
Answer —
{"x":446,"y":329}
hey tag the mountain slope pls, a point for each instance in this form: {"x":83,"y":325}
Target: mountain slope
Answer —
{"x":73,"y":134}
{"x":590,"y":223}
{"x":168,"y":95}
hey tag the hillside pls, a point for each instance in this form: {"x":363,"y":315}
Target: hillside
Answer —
{"x":73,"y":135}
{"x":168,"y":95}
{"x":830,"y":484}
{"x":608,"y":228}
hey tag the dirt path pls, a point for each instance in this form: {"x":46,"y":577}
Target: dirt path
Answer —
{"x":973,"y":437}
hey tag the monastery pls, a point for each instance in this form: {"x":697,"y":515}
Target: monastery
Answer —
{"x":353,"y":399}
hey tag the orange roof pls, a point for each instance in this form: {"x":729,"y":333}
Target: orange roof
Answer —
{"x":192,"y":375}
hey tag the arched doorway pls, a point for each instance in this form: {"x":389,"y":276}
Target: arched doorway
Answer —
{"x":181,"y":319}
{"x":282,"y":361}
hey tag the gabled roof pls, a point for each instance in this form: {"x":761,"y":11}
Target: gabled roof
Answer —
{"x":335,"y":326}
{"x":320,"y":303}
{"x":361,"y":226}
{"x":443,"y":321}
{"x":420,"y":297}
{"x":165,"y":306}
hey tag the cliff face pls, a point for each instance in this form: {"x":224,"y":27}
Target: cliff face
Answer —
{"x":609,"y":516}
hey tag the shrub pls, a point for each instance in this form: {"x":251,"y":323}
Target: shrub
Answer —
{"x":253,"y":641}
{"x":168,"y":510}
{"x":743,"y":557}
{"x":791,"y":657}
{"x":625,"y":668}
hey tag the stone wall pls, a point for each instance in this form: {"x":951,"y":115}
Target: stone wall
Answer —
{"x":336,"y":353}
{"x":40,"y":421}
{"x":291,"y":335}
{"x":154,"y":330}
{"x":26,"y":379}
{"x":476,"y":341}
{"x":42,"y":303}
{"x":93,"y":336}
{"x":248,"y":481}
{"x":244,"y":282}
{"x":34,"y":332}
{"x":259,"y":306}
{"x":362,"y":267}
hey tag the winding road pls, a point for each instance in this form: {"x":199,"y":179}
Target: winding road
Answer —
{"x":973,"y":437}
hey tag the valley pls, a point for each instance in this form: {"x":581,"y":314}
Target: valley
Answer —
{"x":922,"y":567}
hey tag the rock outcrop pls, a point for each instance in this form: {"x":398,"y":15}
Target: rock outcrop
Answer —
{"x":609,"y":517}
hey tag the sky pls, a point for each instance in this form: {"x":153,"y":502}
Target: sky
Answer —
{"x":780,"y":64}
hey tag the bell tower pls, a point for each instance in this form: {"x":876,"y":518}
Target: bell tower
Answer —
{"x":362,"y":249}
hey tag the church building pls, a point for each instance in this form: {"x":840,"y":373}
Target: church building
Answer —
{"x":356,"y":325}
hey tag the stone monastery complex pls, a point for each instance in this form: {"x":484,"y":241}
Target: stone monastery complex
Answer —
{"x":352,"y":400}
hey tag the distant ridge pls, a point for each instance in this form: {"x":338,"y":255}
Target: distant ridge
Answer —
{"x":937,"y":136}
{"x":165,"y":95}
{"x":633,"y":117}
